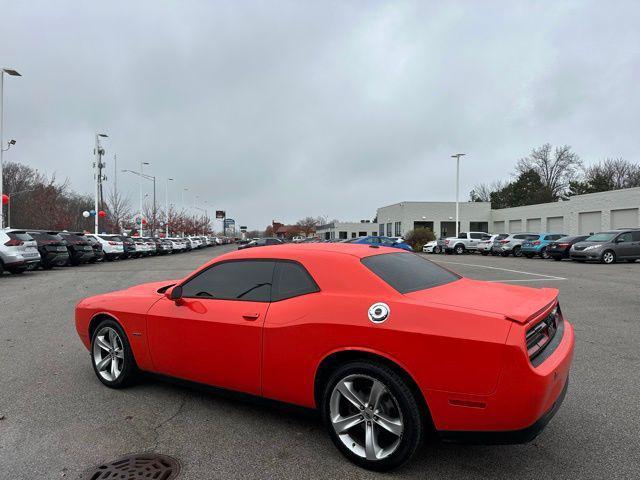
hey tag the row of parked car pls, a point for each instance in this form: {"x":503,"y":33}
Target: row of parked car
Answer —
{"x":606,"y":247}
{"x":22,"y":250}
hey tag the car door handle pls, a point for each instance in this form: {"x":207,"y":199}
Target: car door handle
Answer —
{"x":250,"y":316}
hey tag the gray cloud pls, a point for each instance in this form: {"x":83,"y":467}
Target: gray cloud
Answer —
{"x":286,"y":109}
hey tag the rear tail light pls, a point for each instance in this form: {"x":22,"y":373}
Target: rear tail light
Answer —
{"x":539,"y":336}
{"x":504,"y":241}
{"x":563,"y":245}
{"x":537,"y":242}
{"x":14,"y":242}
{"x":446,"y":242}
{"x":113,"y":243}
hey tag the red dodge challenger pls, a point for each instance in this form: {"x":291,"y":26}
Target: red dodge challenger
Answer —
{"x":384,"y":343}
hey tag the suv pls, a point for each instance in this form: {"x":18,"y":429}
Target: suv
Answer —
{"x":129,"y":247}
{"x":465,"y":241}
{"x":80,"y":249}
{"x":608,"y":247}
{"x":52,"y":248}
{"x":485,"y":246}
{"x":512,"y":244}
{"x":538,"y":246}
{"x":18,"y":251}
{"x":112,"y":245}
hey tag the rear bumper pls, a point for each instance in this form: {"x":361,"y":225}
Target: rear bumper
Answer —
{"x":508,"y":437}
{"x":532,"y":250}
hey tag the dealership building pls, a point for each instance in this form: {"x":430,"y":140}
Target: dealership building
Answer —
{"x":580,"y":214}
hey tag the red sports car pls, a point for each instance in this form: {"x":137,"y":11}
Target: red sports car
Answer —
{"x":384,"y":343}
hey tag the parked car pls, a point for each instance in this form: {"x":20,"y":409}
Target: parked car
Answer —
{"x":97,"y":248}
{"x":129,"y":247}
{"x":80,"y":250}
{"x":52,"y":248}
{"x":432,"y":247}
{"x":608,"y":247}
{"x":490,"y":365}
{"x":151,"y":245}
{"x":485,"y":246}
{"x":195,"y":242}
{"x":464,"y":242}
{"x":18,"y":251}
{"x":261,"y":242}
{"x":381,"y":241}
{"x":112,"y":245}
{"x":163,"y":246}
{"x":178,"y":245}
{"x":560,"y":248}
{"x":142,"y":249}
{"x":538,"y":246}
{"x":512,"y":244}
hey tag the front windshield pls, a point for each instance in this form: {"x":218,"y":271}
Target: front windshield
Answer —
{"x":601,"y":237}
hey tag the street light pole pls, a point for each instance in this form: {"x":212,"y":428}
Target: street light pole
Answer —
{"x":13,"y":73}
{"x":166,"y":208}
{"x":457,"y":157}
{"x":97,"y":168}
{"x":142,"y":164}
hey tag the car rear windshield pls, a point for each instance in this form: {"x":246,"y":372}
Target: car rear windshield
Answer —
{"x":25,"y":237}
{"x":46,"y":237}
{"x":407,"y":272}
{"x":112,"y":238}
{"x":74,"y":238}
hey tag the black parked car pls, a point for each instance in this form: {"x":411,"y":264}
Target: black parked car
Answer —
{"x":80,"y":250}
{"x":129,"y":247}
{"x":97,"y":249}
{"x":559,"y":249}
{"x":52,"y":248}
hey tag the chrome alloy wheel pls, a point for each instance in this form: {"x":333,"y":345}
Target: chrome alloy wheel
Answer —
{"x":366,"y":417}
{"x":608,"y":257}
{"x":108,"y":354}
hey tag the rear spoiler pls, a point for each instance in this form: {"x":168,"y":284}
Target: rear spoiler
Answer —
{"x":522,"y":313}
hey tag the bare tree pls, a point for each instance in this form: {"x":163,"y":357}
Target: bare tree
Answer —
{"x":556,"y":167}
{"x":118,"y":210}
{"x":308,"y":225}
{"x":482,"y":191}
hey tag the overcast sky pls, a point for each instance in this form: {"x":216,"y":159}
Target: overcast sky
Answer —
{"x":279,"y":110}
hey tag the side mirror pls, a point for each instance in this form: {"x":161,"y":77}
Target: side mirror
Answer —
{"x":175,"y":294}
{"x":619,"y":240}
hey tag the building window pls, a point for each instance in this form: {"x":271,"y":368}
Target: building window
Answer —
{"x":362,"y":234}
{"x":479,"y":227}
{"x":342,"y":235}
{"x":373,"y":234}
{"x":388,"y":229}
{"x":398,"y":229}
{"x":381,"y":229}
{"x":353,"y":234}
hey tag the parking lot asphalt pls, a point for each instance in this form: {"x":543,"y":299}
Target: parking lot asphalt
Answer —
{"x":57,"y":419}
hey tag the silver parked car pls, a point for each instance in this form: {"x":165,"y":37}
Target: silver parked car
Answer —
{"x":512,"y":244}
{"x":18,"y":251}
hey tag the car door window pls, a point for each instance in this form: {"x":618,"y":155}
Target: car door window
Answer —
{"x":291,"y":280}
{"x":625,"y":237}
{"x":635,"y":236}
{"x":476,"y":236}
{"x":239,"y":280}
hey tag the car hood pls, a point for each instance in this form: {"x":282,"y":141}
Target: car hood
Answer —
{"x":587,"y":244}
{"x":516,"y":303}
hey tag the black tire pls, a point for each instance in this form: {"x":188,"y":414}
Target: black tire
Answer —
{"x":528,"y":255}
{"x":557,"y":259}
{"x":484,"y":254}
{"x":505,"y":254}
{"x":437,"y":249}
{"x":544,"y":254}
{"x":16,"y":270}
{"x":129,"y":370}
{"x":46,"y":266}
{"x":459,"y":249}
{"x":517,"y":252}
{"x":408,"y":406}
{"x":608,"y":257}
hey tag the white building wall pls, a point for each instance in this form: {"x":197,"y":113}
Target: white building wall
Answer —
{"x":350,"y":229}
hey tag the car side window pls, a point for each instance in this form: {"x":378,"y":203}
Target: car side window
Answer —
{"x":635,"y":236}
{"x":240,"y":280}
{"x":462,"y":235}
{"x":291,"y":280}
{"x":476,"y":235}
{"x":624,"y":237}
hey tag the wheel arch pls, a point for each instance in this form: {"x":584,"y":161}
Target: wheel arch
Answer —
{"x":99,"y":317}
{"x":340,"y":357}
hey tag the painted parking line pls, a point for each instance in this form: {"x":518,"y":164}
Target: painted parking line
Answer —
{"x":545,"y":277}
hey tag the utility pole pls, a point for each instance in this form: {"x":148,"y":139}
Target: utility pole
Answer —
{"x":97,"y":168}
{"x":457,"y":157}
{"x":166,"y":208}
{"x":13,"y":73}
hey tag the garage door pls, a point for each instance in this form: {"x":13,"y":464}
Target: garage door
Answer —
{"x":534,"y":225}
{"x":589,"y":222}
{"x":555,"y":224}
{"x":624,"y":218}
{"x":515,"y":226}
{"x":498,"y":227}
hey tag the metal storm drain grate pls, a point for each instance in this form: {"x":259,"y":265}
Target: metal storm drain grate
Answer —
{"x":140,"y":466}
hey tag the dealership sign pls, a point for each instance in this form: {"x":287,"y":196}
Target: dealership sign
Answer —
{"x":221,"y":214}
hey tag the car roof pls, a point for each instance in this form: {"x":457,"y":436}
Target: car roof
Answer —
{"x":291,"y":250}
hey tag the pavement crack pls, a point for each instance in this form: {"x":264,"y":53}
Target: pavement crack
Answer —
{"x":157,"y":428}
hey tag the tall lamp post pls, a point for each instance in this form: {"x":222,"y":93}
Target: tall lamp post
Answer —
{"x":166,"y":207}
{"x":13,"y":73}
{"x":457,"y":157}
{"x":148,"y":177}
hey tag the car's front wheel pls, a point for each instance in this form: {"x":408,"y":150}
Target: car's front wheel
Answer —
{"x":608,"y":257}
{"x":111,"y":355}
{"x":437,"y":249}
{"x":459,"y":249}
{"x":372,"y":416}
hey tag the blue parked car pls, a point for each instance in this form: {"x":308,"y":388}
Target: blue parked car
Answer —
{"x":538,"y":246}
{"x":383,"y":242}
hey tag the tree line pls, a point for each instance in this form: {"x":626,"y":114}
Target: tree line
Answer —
{"x":551,"y":174}
{"x":39,"y":201}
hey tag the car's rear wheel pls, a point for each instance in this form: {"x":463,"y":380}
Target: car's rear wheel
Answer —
{"x":557,"y":258}
{"x":372,"y":416}
{"x":608,"y":257}
{"x":517,"y":252}
{"x":459,"y":249}
{"x":111,"y":355}
{"x":544,"y":253}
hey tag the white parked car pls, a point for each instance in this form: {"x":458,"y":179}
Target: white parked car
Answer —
{"x":179,"y":244}
{"x":112,"y":245}
{"x":485,"y":246}
{"x":195,"y":242}
{"x":432,"y":247}
{"x":18,"y":251}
